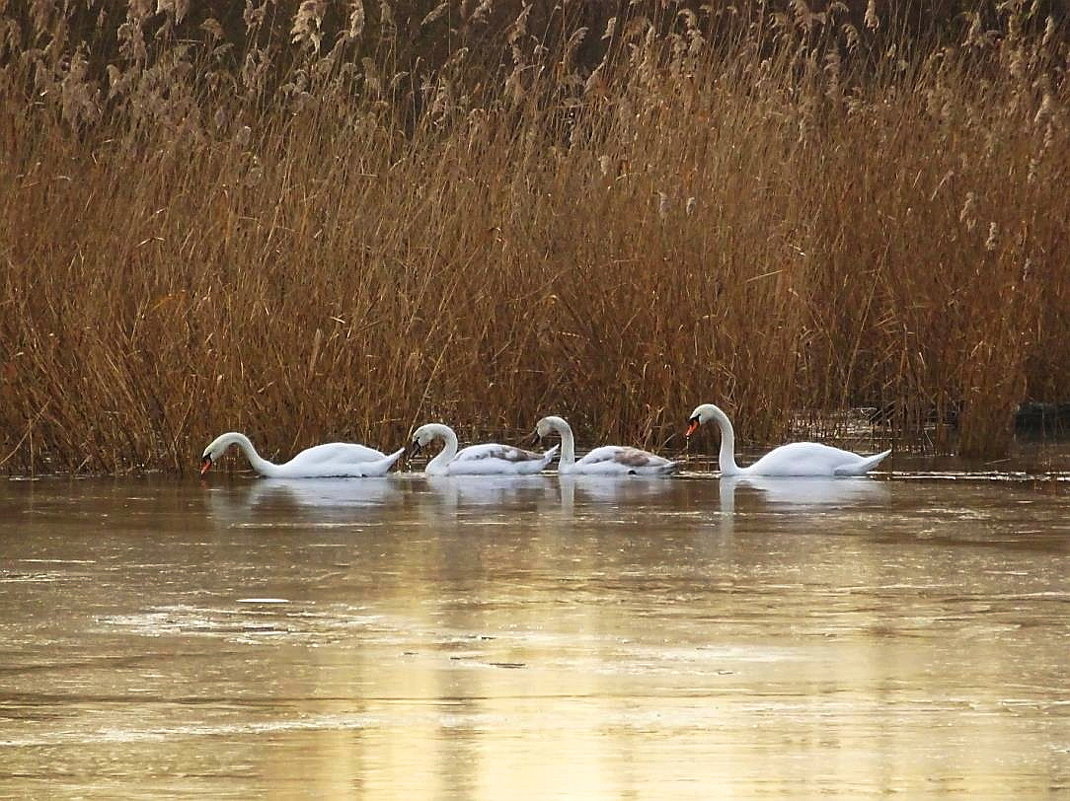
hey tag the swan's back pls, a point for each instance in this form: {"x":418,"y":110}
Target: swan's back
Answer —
{"x":863,"y":465}
{"x":495,"y":459}
{"x":337,"y":460}
{"x":379,"y":467}
{"x":622,"y":460}
{"x":336,"y":453}
{"x":812,"y":459}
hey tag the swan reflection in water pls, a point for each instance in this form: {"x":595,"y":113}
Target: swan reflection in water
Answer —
{"x":611,"y":489}
{"x":339,"y":498}
{"x":453,"y":492}
{"x":350,"y":499}
{"x":804,"y":492}
{"x":324,"y":492}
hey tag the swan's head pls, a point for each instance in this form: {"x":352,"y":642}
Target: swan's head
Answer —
{"x":422,"y":437}
{"x":546,"y":427}
{"x":212,"y":453}
{"x":702,"y":414}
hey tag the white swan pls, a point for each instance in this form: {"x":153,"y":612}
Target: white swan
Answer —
{"x":333,"y":460}
{"x":489,"y":459}
{"x":795,"y":459}
{"x":608,"y":460}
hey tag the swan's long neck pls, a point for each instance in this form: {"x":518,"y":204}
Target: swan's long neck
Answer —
{"x":726,"y":459}
{"x":260,"y":464}
{"x":449,"y":448}
{"x":568,"y":443}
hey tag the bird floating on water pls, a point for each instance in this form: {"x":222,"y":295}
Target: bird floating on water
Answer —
{"x":794,"y":459}
{"x":331,"y":460}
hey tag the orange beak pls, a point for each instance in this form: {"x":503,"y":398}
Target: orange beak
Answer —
{"x":206,"y":464}
{"x":692,"y":426}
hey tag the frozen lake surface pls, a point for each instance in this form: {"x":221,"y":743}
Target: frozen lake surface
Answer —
{"x":536,"y":638}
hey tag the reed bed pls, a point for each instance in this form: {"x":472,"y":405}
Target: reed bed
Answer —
{"x":314,"y":221}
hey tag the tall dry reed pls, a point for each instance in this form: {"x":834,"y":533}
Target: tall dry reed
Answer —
{"x":321,"y":220}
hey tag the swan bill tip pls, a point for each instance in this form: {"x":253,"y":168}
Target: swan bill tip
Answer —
{"x":206,"y":464}
{"x":692,"y":426}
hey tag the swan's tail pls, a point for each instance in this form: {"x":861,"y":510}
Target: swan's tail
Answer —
{"x":667,"y":469}
{"x":862,"y":467}
{"x":550,"y":454}
{"x":380,"y":467}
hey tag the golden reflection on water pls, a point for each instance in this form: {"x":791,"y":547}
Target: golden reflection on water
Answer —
{"x":541,"y":638}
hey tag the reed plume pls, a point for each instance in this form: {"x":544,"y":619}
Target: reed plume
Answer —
{"x":317,"y":221}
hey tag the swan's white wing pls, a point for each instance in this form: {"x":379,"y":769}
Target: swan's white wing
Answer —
{"x":494,"y":459}
{"x":627,"y":457}
{"x":333,"y":459}
{"x":862,"y":464}
{"x":616,"y":459}
{"x":379,"y":467}
{"x":808,"y":459}
{"x":336,"y":452}
{"x":506,"y":453}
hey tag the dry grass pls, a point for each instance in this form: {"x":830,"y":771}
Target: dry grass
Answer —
{"x":309,"y":224}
